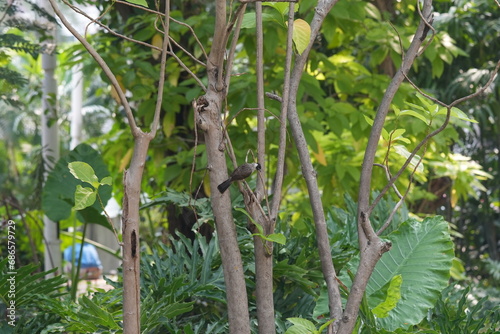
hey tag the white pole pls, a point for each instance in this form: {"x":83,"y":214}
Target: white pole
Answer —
{"x":50,"y":146}
{"x":76,"y":120}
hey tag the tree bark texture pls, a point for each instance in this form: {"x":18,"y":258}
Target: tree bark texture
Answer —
{"x":209,"y":120}
{"x":130,"y":233}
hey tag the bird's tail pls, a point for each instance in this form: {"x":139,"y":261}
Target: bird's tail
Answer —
{"x":224,"y":185}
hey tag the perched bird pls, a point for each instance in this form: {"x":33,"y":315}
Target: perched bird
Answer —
{"x":240,"y":173}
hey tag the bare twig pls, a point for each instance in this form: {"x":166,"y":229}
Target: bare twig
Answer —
{"x":234,"y":42}
{"x":202,"y":48}
{"x":261,"y":105}
{"x":171,"y":52}
{"x":388,"y":176}
{"x":171,"y":18}
{"x":161,"y":81}
{"x":196,"y":60}
{"x":136,"y":131}
{"x":111,"y":31}
{"x":194,"y":76}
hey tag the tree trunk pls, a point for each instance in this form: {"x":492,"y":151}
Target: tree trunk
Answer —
{"x":132,"y":178}
{"x":209,"y":120}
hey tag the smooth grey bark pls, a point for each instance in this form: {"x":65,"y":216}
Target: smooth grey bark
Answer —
{"x":208,"y":114}
{"x":208,"y":117}
{"x":263,"y":249}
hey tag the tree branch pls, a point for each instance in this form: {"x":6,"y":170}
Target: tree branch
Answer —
{"x":136,"y":131}
{"x":308,"y":172}
{"x":280,"y":164}
{"x":161,"y":81}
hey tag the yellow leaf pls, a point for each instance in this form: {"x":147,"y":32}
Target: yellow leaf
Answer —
{"x":158,"y":42}
{"x":168,"y":123}
{"x":320,"y":156}
{"x":301,"y":35}
{"x":206,"y":185}
{"x":125,"y":160}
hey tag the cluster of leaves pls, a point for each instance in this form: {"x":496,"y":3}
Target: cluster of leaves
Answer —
{"x":18,"y":35}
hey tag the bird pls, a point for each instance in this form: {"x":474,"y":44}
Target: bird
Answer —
{"x":240,"y":173}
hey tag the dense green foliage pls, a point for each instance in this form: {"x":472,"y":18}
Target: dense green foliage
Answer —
{"x":348,"y":72}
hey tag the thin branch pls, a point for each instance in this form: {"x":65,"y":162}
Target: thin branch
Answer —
{"x":334,"y":300}
{"x":234,"y":42}
{"x":171,"y":52}
{"x":111,"y":31}
{"x":187,"y":52}
{"x":202,"y":47}
{"x":367,"y":167}
{"x":136,"y":131}
{"x":180,"y":62}
{"x":280,"y":164}
{"x":161,"y":81}
{"x":388,"y":176}
{"x":171,"y":18}
{"x":261,"y":105}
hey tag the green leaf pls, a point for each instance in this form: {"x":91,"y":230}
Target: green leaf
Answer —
{"x":58,"y":195}
{"x":392,"y":298}
{"x":437,"y":67}
{"x":106,"y":181}
{"x":422,"y":253}
{"x":276,"y":237}
{"x":281,"y":7}
{"x":84,"y":172}
{"x":176,"y":309}
{"x":138,"y":2}
{"x":457,"y":113}
{"x":415,"y":114}
{"x":300,"y":326}
{"x":403,"y":151}
{"x":84,"y":197}
{"x":30,"y":284}
{"x":102,"y":316}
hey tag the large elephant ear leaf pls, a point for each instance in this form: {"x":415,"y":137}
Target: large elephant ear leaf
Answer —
{"x":422,"y":254}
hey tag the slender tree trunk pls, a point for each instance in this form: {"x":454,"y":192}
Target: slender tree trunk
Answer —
{"x":209,"y":120}
{"x":130,"y":232}
{"x":263,"y":250}
{"x":371,"y":246}
{"x":308,"y":172}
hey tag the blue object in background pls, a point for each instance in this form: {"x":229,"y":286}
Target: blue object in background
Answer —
{"x":90,"y":258}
